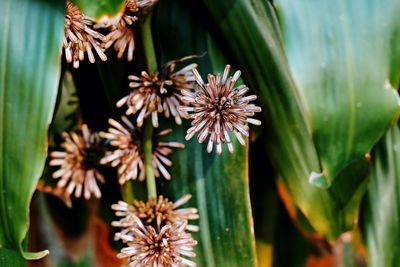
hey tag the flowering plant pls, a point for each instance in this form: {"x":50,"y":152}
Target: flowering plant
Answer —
{"x":199,"y":133}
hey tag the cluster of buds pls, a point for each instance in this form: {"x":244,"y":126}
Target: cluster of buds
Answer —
{"x":217,"y":108}
{"x":158,"y":92}
{"x":81,"y":35}
{"x":156,"y":233}
{"x":122,"y":32}
{"x":78,"y":163}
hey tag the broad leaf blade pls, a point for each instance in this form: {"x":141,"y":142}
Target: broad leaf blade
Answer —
{"x":382,"y":210}
{"x":340,"y":69}
{"x":30,"y":40}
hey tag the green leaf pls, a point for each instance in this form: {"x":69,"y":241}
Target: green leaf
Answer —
{"x":218,"y":184}
{"x":29,"y":74}
{"x":382,"y":210}
{"x":101,"y":9}
{"x":340,"y":69}
{"x":250,"y":31}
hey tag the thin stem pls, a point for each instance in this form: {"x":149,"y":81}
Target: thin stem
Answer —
{"x":148,"y":155}
{"x":148,"y":44}
{"x":148,"y":127}
{"x":127,"y":192}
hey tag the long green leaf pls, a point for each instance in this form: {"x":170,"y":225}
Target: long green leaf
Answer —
{"x":30,"y":40}
{"x":251,"y":31}
{"x":382,"y":210}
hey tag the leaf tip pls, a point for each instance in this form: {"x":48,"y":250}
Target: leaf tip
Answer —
{"x":35,"y":255}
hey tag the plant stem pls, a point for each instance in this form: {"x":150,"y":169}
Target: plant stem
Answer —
{"x":148,"y":154}
{"x":127,"y":192}
{"x":149,"y":45}
{"x":148,"y":127}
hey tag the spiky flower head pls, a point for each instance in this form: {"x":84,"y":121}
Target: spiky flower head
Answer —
{"x":158,"y":92}
{"x":128,"y":154}
{"x":79,"y":38}
{"x":217,"y":108}
{"x":122,"y":32}
{"x":160,"y":212}
{"x":167,"y":247}
{"x":78,"y":163}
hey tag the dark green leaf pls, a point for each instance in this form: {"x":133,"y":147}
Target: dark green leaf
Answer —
{"x":30,"y":40}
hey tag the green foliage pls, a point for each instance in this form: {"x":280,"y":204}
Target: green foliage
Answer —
{"x":325,"y":73}
{"x":29,"y":75}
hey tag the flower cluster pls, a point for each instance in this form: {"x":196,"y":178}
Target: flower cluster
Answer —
{"x":84,"y":153}
{"x":79,"y":38}
{"x":79,"y":163}
{"x":158,"y":92}
{"x":122,"y":33}
{"x":81,"y":35}
{"x":218,"y":108}
{"x":160,"y":211}
{"x":163,"y":244}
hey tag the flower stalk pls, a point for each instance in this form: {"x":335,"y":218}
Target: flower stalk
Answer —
{"x":149,"y":45}
{"x":148,"y":161}
{"x":148,"y":127}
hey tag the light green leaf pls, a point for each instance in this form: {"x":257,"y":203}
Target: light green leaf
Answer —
{"x":338,"y":53}
{"x":30,"y":41}
{"x":101,"y":9}
{"x":382,"y":210}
